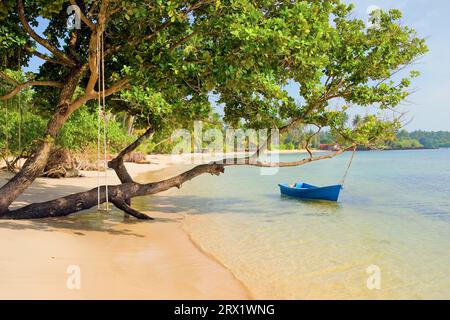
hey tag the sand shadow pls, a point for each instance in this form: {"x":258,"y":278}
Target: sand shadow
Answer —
{"x":114,"y":222}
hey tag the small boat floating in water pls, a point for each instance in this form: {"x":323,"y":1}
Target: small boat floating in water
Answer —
{"x":307,"y":191}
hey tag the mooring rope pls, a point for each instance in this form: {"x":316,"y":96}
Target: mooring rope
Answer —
{"x":348,"y":167}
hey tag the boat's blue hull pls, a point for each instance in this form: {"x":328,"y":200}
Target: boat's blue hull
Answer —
{"x":307,"y":191}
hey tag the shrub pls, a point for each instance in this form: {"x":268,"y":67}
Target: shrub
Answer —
{"x":79,"y":132}
{"x":30,"y":129}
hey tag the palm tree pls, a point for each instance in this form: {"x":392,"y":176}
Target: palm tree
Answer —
{"x":357,"y":120}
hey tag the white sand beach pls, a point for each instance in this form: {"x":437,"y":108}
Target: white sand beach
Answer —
{"x":118,"y":257}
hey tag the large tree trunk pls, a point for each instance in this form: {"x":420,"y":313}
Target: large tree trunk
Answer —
{"x":34,"y":166}
{"x":117,"y":195}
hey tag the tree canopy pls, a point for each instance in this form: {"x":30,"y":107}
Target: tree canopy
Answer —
{"x":176,"y":53}
{"x":165,"y":58}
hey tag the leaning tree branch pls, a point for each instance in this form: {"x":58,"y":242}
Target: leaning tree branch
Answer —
{"x":252,"y":160}
{"x":124,"y":83}
{"x":116,"y":87}
{"x":182,"y":40}
{"x":94,"y":47}
{"x":118,"y":194}
{"x":24,"y":85}
{"x":328,"y":95}
{"x":43,"y":56}
{"x":123,"y":205}
{"x":281,"y":130}
{"x":118,"y":162}
{"x":302,"y":161}
{"x":121,"y":171}
{"x":308,"y":140}
{"x":45,"y":43}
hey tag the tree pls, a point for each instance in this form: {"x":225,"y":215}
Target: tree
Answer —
{"x":357,"y":120}
{"x":163,"y":59}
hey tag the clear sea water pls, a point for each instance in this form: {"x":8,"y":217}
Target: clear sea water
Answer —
{"x":394,"y":213}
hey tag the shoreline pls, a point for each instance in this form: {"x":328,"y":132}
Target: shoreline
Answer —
{"x":119,"y":258}
{"x":248,"y":293}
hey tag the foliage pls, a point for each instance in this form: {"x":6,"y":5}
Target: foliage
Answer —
{"x":422,"y":139}
{"x":81,"y":131}
{"x":175,"y":54}
{"x":78,"y":134}
{"x":31,"y":129}
{"x":405,"y":144}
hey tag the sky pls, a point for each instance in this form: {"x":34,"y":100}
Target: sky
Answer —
{"x":429,"y":107}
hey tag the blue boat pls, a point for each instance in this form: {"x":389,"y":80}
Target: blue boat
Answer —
{"x":307,"y":191}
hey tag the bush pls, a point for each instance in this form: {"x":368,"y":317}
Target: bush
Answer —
{"x":30,"y":128}
{"x":81,"y":132}
{"x":78,"y":134}
{"x":406,"y":144}
{"x":290,"y":146}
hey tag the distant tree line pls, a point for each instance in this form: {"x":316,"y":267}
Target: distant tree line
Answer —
{"x":421,"y":139}
{"x":418,"y":139}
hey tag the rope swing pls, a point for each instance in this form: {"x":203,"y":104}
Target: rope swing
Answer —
{"x":6,"y":151}
{"x":11,"y":166}
{"x":101,"y":116}
{"x":19,"y":96}
{"x":6,"y":131}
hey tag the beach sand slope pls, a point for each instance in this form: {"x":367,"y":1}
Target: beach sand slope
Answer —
{"x":109,"y":256}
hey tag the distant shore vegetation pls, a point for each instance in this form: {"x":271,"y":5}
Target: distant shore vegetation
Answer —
{"x":21,"y":128}
{"x":404,"y":140}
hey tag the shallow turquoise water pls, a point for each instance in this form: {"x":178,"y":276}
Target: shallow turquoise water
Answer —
{"x":394,"y":213}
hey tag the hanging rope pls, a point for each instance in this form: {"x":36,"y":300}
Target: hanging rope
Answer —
{"x":348,"y":167}
{"x":20,"y":116}
{"x":98,"y":128}
{"x":104,"y":123}
{"x":20,"y":121}
{"x":101,"y":113}
{"x":5,"y":154}
{"x":19,"y":98}
{"x":6,"y":130}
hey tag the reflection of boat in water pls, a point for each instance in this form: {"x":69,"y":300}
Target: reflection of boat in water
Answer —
{"x":307,"y":191}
